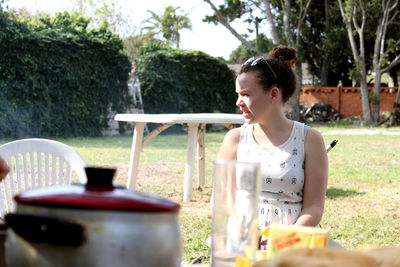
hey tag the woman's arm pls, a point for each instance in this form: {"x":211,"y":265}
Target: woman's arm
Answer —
{"x":316,"y":179}
{"x":229,"y":146}
{"x":228,"y":150}
{"x":4,"y":169}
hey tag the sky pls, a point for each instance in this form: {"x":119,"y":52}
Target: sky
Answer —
{"x":214,"y":40}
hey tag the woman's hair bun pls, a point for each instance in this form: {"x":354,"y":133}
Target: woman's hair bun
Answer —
{"x":285,"y":54}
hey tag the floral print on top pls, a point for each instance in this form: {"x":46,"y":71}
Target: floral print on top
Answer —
{"x":282,"y":175}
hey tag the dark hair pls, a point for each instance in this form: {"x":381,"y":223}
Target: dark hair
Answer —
{"x":275,"y":70}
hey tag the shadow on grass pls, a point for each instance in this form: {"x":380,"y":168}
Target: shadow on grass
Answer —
{"x":334,"y":192}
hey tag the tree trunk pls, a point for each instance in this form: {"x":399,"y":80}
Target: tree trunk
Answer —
{"x":226,"y":24}
{"x":396,"y":101}
{"x":325,"y":62}
{"x":292,"y":108}
{"x":178,"y":39}
{"x":358,"y":53}
{"x":365,"y":102}
{"x":376,"y":97}
{"x":286,"y":23}
{"x":379,"y":52}
{"x":324,"y":72}
{"x":299,"y":70}
{"x":270,"y":18}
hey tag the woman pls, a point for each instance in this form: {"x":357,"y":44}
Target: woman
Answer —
{"x":294,"y":164}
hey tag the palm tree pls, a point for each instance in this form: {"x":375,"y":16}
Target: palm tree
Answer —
{"x":168,"y":24}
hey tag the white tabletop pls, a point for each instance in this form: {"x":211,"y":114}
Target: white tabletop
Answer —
{"x":182,"y":118}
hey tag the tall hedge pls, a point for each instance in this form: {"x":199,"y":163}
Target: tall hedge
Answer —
{"x":179,"y":81}
{"x":57,"y":78}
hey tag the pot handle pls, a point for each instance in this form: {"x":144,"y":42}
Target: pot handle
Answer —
{"x":46,"y":229}
{"x":3,"y":225}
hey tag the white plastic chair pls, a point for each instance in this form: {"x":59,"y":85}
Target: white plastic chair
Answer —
{"x":36,"y":163}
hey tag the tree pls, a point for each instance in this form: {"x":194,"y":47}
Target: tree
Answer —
{"x":225,"y":14}
{"x":286,"y":14}
{"x":355,"y":18}
{"x":104,"y":11}
{"x":324,"y":44}
{"x":241,"y":53}
{"x":2,"y":3}
{"x":292,"y":31}
{"x":169,"y":24}
{"x":135,"y":42}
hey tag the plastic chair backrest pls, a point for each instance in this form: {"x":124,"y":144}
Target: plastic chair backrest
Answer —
{"x":37,"y":163}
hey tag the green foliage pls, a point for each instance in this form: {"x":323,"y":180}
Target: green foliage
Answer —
{"x":241,"y":53}
{"x":134,"y":43}
{"x":230,"y":10}
{"x":324,"y":43}
{"x":324,"y":40}
{"x":176,"y":81}
{"x":168,"y":24}
{"x":355,"y":72}
{"x":59,"y":79}
{"x":109,"y":12}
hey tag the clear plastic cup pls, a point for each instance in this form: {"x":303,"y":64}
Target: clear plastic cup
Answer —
{"x":235,"y":208}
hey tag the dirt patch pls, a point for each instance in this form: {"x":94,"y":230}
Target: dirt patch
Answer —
{"x":159,"y":179}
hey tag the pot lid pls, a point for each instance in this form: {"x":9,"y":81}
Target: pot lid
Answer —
{"x":97,"y":194}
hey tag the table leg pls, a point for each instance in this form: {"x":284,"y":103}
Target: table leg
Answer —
{"x":190,"y":159}
{"x":201,"y":157}
{"x":135,"y":154}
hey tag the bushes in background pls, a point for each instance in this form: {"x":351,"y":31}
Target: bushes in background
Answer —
{"x":57,"y":78}
{"x":179,"y":81}
{"x":60,"y":79}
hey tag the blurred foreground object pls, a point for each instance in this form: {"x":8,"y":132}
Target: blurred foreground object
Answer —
{"x":235,"y":204}
{"x":328,"y":257}
{"x":4,"y":169}
{"x":285,"y":237}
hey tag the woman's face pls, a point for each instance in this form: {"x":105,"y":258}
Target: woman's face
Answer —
{"x":252,"y":100}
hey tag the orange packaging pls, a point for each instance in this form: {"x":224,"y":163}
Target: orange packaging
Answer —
{"x":283,"y":237}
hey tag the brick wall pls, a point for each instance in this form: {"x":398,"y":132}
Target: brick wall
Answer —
{"x":346,"y":100}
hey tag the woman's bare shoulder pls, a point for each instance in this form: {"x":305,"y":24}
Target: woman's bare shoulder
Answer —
{"x":312,"y":133}
{"x":314,"y":142}
{"x":233,"y":134}
{"x":230,"y":144}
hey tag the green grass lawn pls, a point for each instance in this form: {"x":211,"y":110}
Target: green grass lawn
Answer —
{"x":363,"y":197}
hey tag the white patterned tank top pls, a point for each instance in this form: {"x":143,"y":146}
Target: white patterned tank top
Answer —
{"x":282,"y":175}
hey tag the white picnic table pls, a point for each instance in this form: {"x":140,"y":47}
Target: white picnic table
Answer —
{"x":196,"y":132}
